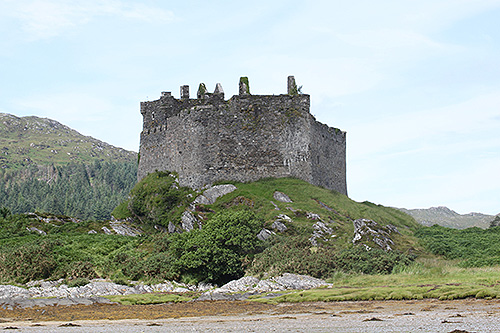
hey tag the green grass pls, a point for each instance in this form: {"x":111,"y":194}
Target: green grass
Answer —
{"x":424,"y":279}
{"x":306,"y":198}
{"x":153,"y":298}
{"x":473,"y":247}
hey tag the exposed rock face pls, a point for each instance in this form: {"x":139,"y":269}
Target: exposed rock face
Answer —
{"x":171,"y":228}
{"x":122,"y":228}
{"x":368,"y":231}
{"x":313,"y":216}
{"x":209,"y":196}
{"x":279,"y":223}
{"x":284,"y":282}
{"x":280,"y":196}
{"x":246,"y":283}
{"x":279,"y":226}
{"x":213,"y":193}
{"x":321,"y":231}
{"x":34,"y":229}
{"x":188,"y":221}
{"x":107,"y":231}
{"x":36,"y":289}
{"x":265,"y":234}
{"x":36,"y":292}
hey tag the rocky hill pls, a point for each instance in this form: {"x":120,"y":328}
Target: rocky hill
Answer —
{"x":46,"y":166}
{"x":33,"y":141}
{"x":217,"y":234}
{"x":446,"y":217}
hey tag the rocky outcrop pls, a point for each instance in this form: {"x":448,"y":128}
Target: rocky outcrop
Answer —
{"x":188,"y":221}
{"x":282,"y":197}
{"x":265,"y":234}
{"x":122,"y":227}
{"x":279,"y":223}
{"x":35,"y":229}
{"x":369,"y":233}
{"x":210,"y":195}
{"x":286,"y":281}
{"x":57,"y":289}
{"x":322,"y":232}
{"x":43,"y":293}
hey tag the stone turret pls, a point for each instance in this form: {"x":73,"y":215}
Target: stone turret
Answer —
{"x":185,"y":92}
{"x":202,"y":91}
{"x":218,"y":89}
{"x":244,"y":86}
{"x":292,"y":86}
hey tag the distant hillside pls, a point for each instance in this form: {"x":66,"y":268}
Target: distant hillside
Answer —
{"x":48,"y":167}
{"x":446,"y":217}
{"x":34,"y":141}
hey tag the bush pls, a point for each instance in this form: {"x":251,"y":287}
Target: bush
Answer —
{"x":33,"y":260}
{"x":295,"y":255}
{"x":82,"y":270}
{"x":475,"y":247}
{"x":217,"y":252}
{"x":156,"y":199}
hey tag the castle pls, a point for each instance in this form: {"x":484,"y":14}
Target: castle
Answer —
{"x":245,"y":138}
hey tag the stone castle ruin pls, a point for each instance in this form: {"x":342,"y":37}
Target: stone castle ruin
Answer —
{"x":245,"y":138}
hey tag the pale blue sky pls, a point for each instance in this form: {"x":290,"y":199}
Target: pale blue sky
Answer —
{"x":416,"y":84}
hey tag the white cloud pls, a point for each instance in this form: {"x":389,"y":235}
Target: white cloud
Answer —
{"x":48,"y":18}
{"x":466,"y":121}
{"x":441,"y":156}
{"x":390,"y":39}
{"x":66,"y":107}
{"x":89,"y":114}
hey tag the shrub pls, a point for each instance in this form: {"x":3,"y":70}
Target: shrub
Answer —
{"x":156,"y":199}
{"x":475,"y":247}
{"x":295,"y":255}
{"x":33,"y":260}
{"x":82,"y":270}
{"x":217,"y":252}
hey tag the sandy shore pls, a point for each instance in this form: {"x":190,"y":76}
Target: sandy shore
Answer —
{"x":468,"y":315}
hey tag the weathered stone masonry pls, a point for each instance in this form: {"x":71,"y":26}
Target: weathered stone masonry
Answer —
{"x":245,"y":138}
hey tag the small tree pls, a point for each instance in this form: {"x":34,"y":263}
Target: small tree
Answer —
{"x":216,"y":253}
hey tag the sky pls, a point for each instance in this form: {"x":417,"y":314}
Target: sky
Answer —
{"x":415,"y":84}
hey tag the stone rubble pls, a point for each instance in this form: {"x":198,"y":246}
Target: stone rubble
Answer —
{"x":43,"y":293}
{"x":370,"y":231}
{"x":252,"y":285}
{"x":321,"y":231}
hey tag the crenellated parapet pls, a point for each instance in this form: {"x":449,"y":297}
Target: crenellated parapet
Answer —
{"x":248,"y":137}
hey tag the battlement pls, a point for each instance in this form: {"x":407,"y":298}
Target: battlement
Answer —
{"x":207,"y":138}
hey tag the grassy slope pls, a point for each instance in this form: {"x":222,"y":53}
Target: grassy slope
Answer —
{"x":305,"y":198}
{"x":33,"y":140}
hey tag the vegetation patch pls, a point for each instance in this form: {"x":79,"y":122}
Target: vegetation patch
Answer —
{"x":423,"y":279}
{"x":85,"y":191}
{"x":472,"y":247}
{"x":152,"y":298}
{"x":156,"y":199}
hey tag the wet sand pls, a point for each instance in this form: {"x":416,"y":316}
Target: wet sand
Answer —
{"x":469,"y":315}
